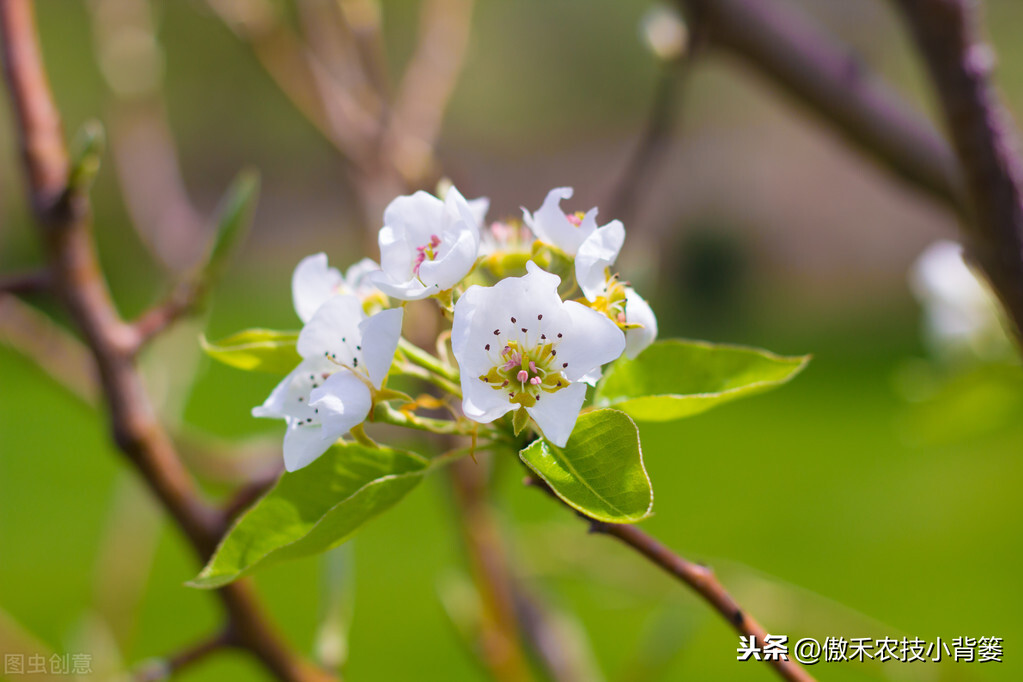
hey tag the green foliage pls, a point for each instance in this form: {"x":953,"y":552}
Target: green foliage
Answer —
{"x":314,"y":509}
{"x":600,"y":470}
{"x":256,"y":350}
{"x":676,"y":378}
{"x":234,"y":217}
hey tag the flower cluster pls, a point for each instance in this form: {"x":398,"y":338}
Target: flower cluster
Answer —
{"x":536,"y":311}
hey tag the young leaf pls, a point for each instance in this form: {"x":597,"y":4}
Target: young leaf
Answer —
{"x":675,"y":378}
{"x":600,"y":470}
{"x":256,"y":350}
{"x":314,"y":509}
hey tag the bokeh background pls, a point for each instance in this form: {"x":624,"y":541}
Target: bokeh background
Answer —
{"x":849,"y":503}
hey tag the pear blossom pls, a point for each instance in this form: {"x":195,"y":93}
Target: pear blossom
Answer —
{"x":594,"y":248}
{"x":960,"y":312}
{"x":313,"y":282}
{"x":427,"y":245}
{"x":518,"y":345}
{"x":640,"y":323}
{"x":344,"y":355}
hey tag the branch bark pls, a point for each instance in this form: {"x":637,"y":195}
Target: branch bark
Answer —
{"x":982,"y":134}
{"x":65,"y":224}
{"x":804,"y":62}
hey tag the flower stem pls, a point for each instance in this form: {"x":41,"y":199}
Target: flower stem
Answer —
{"x":420,"y":357}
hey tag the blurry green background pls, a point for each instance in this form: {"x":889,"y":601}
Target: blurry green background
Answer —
{"x":831,"y":507}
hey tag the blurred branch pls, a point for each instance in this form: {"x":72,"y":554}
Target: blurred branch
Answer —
{"x":796,"y":56}
{"x":162,"y":669}
{"x":63,"y":214}
{"x":21,"y":283}
{"x":426,"y":87}
{"x":676,"y":48}
{"x":258,"y":486}
{"x":49,"y":346}
{"x":500,"y":645}
{"x":983,"y":136}
{"x":131,"y":61}
{"x":699,"y":578}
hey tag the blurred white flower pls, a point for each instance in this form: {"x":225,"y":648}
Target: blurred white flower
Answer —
{"x":961,"y":313}
{"x":518,"y":345}
{"x":664,"y":32}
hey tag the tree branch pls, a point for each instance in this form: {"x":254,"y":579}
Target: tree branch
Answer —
{"x":699,"y":578}
{"x":64,"y":216}
{"x":21,"y":283}
{"x":786,"y":48}
{"x":982,"y":134}
{"x":163,"y":669}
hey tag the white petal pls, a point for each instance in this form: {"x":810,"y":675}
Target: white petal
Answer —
{"x":290,"y":398}
{"x":596,"y":255}
{"x":481,"y":402}
{"x":343,"y":402}
{"x":414,"y":218}
{"x":313,"y":283}
{"x":357,"y":275}
{"x":334,"y":329}
{"x":303,"y":443}
{"x":594,"y":340}
{"x":638,"y":311}
{"x":454,"y":261}
{"x":407,"y":290}
{"x":479,"y":208}
{"x":556,"y":413}
{"x":380,"y":335}
{"x":549,"y":223}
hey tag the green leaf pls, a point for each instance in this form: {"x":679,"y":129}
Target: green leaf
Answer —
{"x":600,"y":470}
{"x":675,"y":378}
{"x":234,"y":217}
{"x":256,"y":350}
{"x":314,"y":509}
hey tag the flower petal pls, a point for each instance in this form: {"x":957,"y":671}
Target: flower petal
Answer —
{"x":638,"y":311}
{"x":290,"y":398}
{"x":312,"y":283}
{"x":343,"y":401}
{"x":596,"y":255}
{"x":334,"y":330}
{"x":556,"y":413}
{"x":453,"y":262}
{"x":379,"y":339}
{"x":593,"y":341}
{"x":303,"y":443}
{"x":550,"y":224}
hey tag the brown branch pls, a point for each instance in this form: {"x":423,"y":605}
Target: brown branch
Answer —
{"x":500,"y":645}
{"x":699,"y":578}
{"x":163,"y":669}
{"x":22,"y":283}
{"x":64,"y":216}
{"x":982,"y":134}
{"x":785,"y":47}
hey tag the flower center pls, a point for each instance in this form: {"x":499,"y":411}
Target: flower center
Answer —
{"x":576,"y":218}
{"x":526,"y":373}
{"x":426,"y":252}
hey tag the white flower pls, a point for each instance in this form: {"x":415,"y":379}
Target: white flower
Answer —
{"x":343,"y":352}
{"x":427,"y":245}
{"x":960,"y":311}
{"x":314,"y":282}
{"x":519,"y":345}
{"x":638,"y":312}
{"x":595,"y":249}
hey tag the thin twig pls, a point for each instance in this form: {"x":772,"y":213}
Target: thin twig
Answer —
{"x":167,"y":667}
{"x":983,"y":136}
{"x":783,"y":45}
{"x":699,"y":578}
{"x":22,"y":283}
{"x":252,"y":491}
{"x":64,"y":218}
